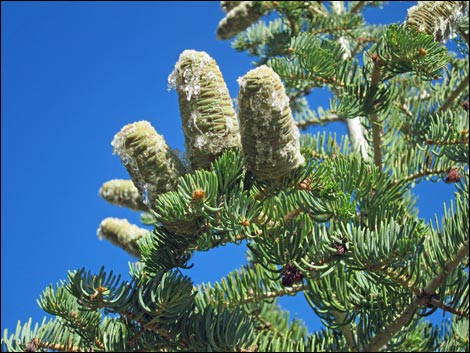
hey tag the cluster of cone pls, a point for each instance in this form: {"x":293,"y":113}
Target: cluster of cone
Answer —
{"x":264,"y":131}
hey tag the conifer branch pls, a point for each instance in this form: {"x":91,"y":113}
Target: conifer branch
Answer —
{"x":224,"y":241}
{"x":376,"y":125}
{"x":316,"y":217}
{"x":465,"y":37}
{"x":321,"y":120}
{"x":146,"y":326}
{"x":267,"y":325}
{"x":345,"y":329}
{"x":449,"y":266}
{"x":455,"y":93}
{"x":61,"y":347}
{"x":267,"y":295}
{"x":358,"y":6}
{"x":447,"y":308}
{"x":404,"y":318}
{"x":422,"y":174}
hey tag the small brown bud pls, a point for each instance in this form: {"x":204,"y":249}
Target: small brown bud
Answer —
{"x":198,"y":195}
{"x":305,"y":184}
{"x":453,"y":175}
{"x":245,"y":223}
{"x":33,"y":345}
{"x":101,"y":289}
{"x":340,"y":248}
{"x":290,"y":275}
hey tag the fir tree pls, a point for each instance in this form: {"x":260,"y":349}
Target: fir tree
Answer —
{"x":333,"y":219}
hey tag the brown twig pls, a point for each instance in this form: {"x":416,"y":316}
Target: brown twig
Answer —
{"x":390,"y":330}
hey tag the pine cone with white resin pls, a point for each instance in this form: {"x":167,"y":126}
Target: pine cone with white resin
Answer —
{"x":210,"y":125}
{"x":269,"y":136}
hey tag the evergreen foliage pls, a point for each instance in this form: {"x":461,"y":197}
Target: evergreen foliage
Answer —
{"x":318,"y":217}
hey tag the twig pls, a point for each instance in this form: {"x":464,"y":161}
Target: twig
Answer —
{"x":422,"y":174}
{"x":346,"y":330}
{"x":462,"y":85}
{"x":267,"y":295}
{"x":376,"y":125}
{"x":449,"y":309}
{"x":464,"y":36}
{"x":382,"y":338}
{"x":62,"y":347}
{"x":321,"y":120}
{"x":358,"y":6}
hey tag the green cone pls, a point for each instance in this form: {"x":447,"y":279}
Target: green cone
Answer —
{"x":152,"y":165}
{"x":123,"y":192}
{"x":121,"y":233}
{"x":269,"y":136}
{"x":210,"y":125}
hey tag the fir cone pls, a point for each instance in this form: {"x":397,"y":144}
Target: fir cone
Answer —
{"x":438,"y":18}
{"x":121,"y":233}
{"x":210,"y":125}
{"x":239,"y":18}
{"x":123,"y":192}
{"x":269,"y":136}
{"x":152,"y":165}
{"x":228,"y":5}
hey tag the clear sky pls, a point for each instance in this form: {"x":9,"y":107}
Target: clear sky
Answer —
{"x":73,"y":74}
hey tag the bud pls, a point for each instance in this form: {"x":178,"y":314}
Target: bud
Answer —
{"x":33,"y":345}
{"x":453,"y":175}
{"x":465,"y":105}
{"x":121,"y":233}
{"x":210,"y":125}
{"x":269,"y":136}
{"x":123,"y":192}
{"x":290,"y":275}
{"x":152,"y":165}
{"x":340,"y":248}
{"x":239,"y":18}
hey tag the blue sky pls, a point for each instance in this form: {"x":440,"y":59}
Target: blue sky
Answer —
{"x":72,"y":74}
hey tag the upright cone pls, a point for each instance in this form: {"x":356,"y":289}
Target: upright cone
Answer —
{"x":269,"y":136}
{"x":240,"y":16}
{"x":121,"y":233}
{"x":152,"y":165}
{"x":438,"y":18}
{"x":122,"y":192}
{"x":210,"y":125}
